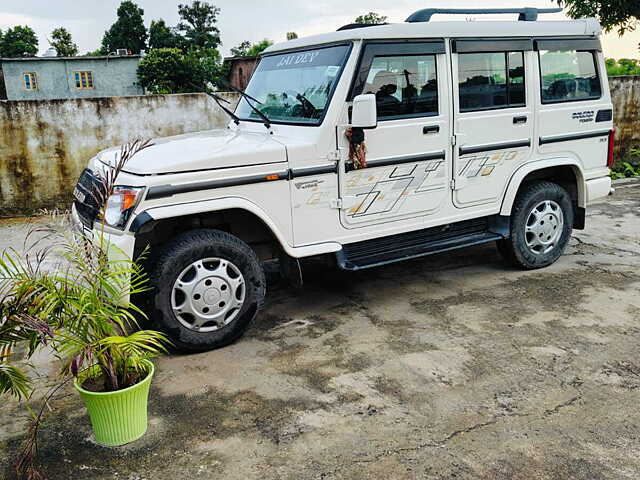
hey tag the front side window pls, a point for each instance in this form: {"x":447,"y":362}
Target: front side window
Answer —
{"x":30,"y":81}
{"x":491,"y":80}
{"x":295,"y":87}
{"x":568,"y":75}
{"x":404,"y":85}
{"x":83,"y":80}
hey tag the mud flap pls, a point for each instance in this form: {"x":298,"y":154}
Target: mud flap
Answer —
{"x":291,"y":270}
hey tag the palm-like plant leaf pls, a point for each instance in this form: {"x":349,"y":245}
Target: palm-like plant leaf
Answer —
{"x":14,"y":381}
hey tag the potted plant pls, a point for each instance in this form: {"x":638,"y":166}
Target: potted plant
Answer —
{"x":81,"y":308}
{"x":110,"y":363}
{"x":95,"y":320}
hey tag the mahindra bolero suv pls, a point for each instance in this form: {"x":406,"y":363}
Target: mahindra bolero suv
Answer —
{"x":369,"y":145}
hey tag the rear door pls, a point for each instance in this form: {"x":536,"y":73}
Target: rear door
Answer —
{"x":575,"y":112}
{"x":408,"y":154}
{"x":494,"y":118}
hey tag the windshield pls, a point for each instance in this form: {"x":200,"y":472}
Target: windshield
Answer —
{"x":295,"y":87}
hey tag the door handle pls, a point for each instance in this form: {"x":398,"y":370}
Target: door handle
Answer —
{"x":520,"y":119}
{"x":431,"y":129}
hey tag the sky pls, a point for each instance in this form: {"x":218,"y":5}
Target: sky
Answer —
{"x":251,"y":20}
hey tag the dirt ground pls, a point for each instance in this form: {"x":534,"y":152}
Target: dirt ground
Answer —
{"x":451,"y":367}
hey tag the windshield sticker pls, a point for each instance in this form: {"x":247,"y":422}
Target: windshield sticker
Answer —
{"x":332,"y":71}
{"x":307,"y":57}
{"x":325,"y":57}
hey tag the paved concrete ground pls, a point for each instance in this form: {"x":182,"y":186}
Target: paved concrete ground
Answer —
{"x":453,"y":366}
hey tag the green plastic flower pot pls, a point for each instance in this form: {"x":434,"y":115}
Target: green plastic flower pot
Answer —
{"x":118,"y":417}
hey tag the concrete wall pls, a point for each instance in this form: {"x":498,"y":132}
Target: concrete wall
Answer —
{"x":112,"y":76}
{"x":44,"y":145}
{"x":625,"y":92}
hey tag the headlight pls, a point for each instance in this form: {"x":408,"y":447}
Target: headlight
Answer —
{"x":120,"y":205}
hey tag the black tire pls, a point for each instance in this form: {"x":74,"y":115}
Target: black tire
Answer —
{"x":515,"y":249}
{"x":177,"y":255}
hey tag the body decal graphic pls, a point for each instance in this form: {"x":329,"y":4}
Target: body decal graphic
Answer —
{"x":484,"y":165}
{"x":384,"y":192}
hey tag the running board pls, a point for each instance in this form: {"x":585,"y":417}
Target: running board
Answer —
{"x":405,"y":246}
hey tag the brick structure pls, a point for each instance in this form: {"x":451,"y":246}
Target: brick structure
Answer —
{"x":240,"y":70}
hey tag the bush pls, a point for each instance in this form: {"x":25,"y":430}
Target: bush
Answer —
{"x":624,"y":66}
{"x":629,"y":169}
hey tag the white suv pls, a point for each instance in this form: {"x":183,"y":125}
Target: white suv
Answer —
{"x":369,"y":145}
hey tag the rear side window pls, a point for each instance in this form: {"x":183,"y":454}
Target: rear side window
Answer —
{"x":404,"y":85}
{"x":569,"y":75}
{"x":491,"y":80}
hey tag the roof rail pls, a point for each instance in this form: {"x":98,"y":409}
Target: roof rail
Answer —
{"x":525,"y":14}
{"x":352,"y":26}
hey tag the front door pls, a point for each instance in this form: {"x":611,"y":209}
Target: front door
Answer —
{"x":493,"y":116}
{"x":408,"y":154}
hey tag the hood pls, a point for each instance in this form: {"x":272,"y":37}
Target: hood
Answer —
{"x":212,"y":149}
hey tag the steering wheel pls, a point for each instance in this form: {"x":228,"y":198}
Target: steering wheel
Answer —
{"x":308,"y":110}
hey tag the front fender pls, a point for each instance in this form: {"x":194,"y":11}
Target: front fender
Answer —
{"x":520,"y":174}
{"x":228,"y":203}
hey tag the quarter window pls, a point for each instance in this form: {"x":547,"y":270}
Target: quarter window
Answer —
{"x":83,"y":79}
{"x":491,"y":80}
{"x":404,"y":86}
{"x":568,"y":75}
{"x":30,"y":81}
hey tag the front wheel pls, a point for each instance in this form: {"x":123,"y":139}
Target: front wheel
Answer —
{"x":541,"y":225}
{"x":207,"y":288}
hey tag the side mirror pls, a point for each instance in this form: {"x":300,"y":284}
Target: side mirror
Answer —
{"x":365,"y":111}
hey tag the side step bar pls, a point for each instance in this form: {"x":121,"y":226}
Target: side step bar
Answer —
{"x":405,"y":246}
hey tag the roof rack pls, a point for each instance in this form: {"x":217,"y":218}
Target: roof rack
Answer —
{"x":525,"y":14}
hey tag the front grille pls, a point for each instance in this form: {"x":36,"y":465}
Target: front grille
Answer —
{"x":88,"y":197}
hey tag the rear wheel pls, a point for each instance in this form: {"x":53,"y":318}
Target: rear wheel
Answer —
{"x":207,"y":288}
{"x":541,"y":225}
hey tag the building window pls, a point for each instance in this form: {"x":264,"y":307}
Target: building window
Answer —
{"x":30,"y":82}
{"x":569,"y":76}
{"x":83,"y":79}
{"x":491,"y":80}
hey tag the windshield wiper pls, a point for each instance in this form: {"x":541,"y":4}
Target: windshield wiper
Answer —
{"x":247,"y":97}
{"x":219,"y":100}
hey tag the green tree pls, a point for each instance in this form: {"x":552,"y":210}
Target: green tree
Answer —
{"x":621,"y":14}
{"x":170,"y":70}
{"x":371,"y":18}
{"x":257,"y":48}
{"x":94,"y":53}
{"x":198,"y":24}
{"x":63,"y":43}
{"x":292,"y":35}
{"x":128,"y":31}
{"x":163,"y":36}
{"x":241,"y":50}
{"x":19,"y":41}
{"x":246,"y":49}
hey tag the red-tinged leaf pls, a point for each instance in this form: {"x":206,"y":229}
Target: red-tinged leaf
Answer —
{"x":75,"y":366}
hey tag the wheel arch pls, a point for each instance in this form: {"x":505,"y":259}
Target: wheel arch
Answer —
{"x":566,"y":172}
{"x":236,"y":216}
